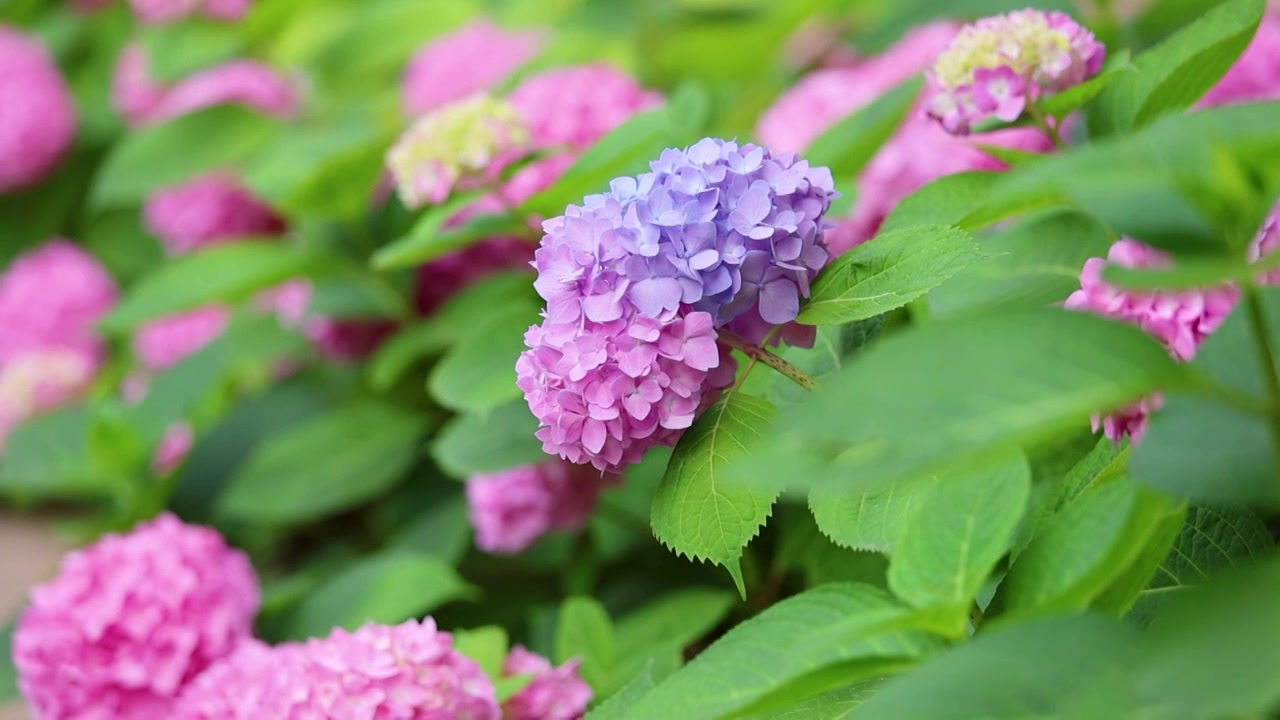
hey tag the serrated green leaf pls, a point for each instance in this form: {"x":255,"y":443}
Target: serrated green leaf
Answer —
{"x":1104,"y":463}
{"x":479,"y":373}
{"x":956,"y":534}
{"x":849,"y":144}
{"x":585,"y":632}
{"x":364,"y":449}
{"x":776,"y":647}
{"x":886,"y":273}
{"x":1125,"y":589}
{"x":488,"y":442}
{"x":373,"y":590}
{"x":697,"y":512}
{"x":868,"y":521}
{"x":945,"y":201}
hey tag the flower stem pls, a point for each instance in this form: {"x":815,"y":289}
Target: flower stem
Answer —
{"x":1043,"y":123}
{"x":1267,"y":362}
{"x":758,"y":353}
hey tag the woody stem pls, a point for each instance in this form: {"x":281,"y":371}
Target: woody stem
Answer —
{"x":761,"y":355}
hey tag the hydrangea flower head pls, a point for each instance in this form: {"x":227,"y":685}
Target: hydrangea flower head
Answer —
{"x":573,"y":107}
{"x":205,"y":210}
{"x":475,"y":57}
{"x":996,"y":65}
{"x":461,"y":140}
{"x":131,"y":619}
{"x":51,"y":297}
{"x":512,"y":509}
{"x":251,"y":683}
{"x":155,"y":12}
{"x":336,"y":339}
{"x":41,"y":380}
{"x":37,"y":113}
{"x":555,"y":693}
{"x":143,"y":101}
{"x":1255,"y":76}
{"x":166,"y":341}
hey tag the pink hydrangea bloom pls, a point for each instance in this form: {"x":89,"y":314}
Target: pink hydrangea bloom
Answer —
{"x":155,"y":12}
{"x":475,"y":57}
{"x":41,"y":380}
{"x":251,"y":683}
{"x":512,"y":509}
{"x":173,"y":449}
{"x":336,"y":339}
{"x":166,"y":341}
{"x":130,"y":620}
{"x":205,"y":210}
{"x":1266,"y":242}
{"x":37,"y":113}
{"x":573,"y":107}
{"x":556,"y":693}
{"x":142,"y":101}
{"x":51,"y":297}
{"x":1256,"y":75}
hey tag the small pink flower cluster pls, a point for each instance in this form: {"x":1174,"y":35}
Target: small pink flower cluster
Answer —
{"x":157,"y":623}
{"x":206,"y":210}
{"x":511,"y":509}
{"x":475,"y":57}
{"x":999,"y":64}
{"x":573,"y":107}
{"x":155,"y":12}
{"x":50,"y":300}
{"x":142,"y":101}
{"x":37,"y":113}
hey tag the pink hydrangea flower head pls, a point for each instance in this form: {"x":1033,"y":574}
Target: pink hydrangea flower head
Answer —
{"x":822,"y":97}
{"x":41,"y":380}
{"x":143,"y":101}
{"x":1266,"y":242}
{"x":472,"y":58}
{"x":174,"y":447}
{"x":452,"y":146}
{"x":512,"y":509}
{"x":997,"y":64}
{"x":37,"y":113}
{"x":1256,"y":74}
{"x":131,"y":619}
{"x":133,"y":93}
{"x":51,"y":297}
{"x":164,"y":342}
{"x":409,"y":671}
{"x":573,"y":107}
{"x":555,"y":693}
{"x":253,"y":682}
{"x":211,"y":208}
{"x":156,"y":12}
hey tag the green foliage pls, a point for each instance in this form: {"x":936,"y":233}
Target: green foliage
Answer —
{"x":585,"y":632}
{"x":478,"y":374}
{"x":487,"y":442}
{"x":849,"y":144}
{"x":8,"y":673}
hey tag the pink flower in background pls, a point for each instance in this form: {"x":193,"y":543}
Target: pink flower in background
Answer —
{"x":338,"y":339}
{"x":51,"y":297}
{"x":1266,"y":242}
{"x":475,"y":57}
{"x":164,"y":342}
{"x":512,"y":509}
{"x":250,"y":684}
{"x":131,"y":619}
{"x":142,"y":101}
{"x":37,"y":113}
{"x":442,"y":278}
{"x":205,"y":210}
{"x":174,"y":447}
{"x":573,"y":107}
{"x":1256,"y":74}
{"x":38,"y":381}
{"x":556,"y":693}
{"x":155,"y":12}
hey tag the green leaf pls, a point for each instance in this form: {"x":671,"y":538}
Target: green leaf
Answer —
{"x":1069,"y":667}
{"x":835,"y":705}
{"x":886,"y":273}
{"x":1104,"y":463}
{"x":805,"y":548}
{"x":225,"y":272}
{"x":832,"y":347}
{"x":616,"y":706}
{"x":430,"y":238}
{"x":665,"y":626}
{"x":849,"y":144}
{"x":697,"y":511}
{"x":785,"y":642}
{"x":1179,"y":71}
{"x":1126,"y":588}
{"x":479,"y":373}
{"x":442,"y":529}
{"x":488,"y":442}
{"x":1082,"y":550}
{"x":47,"y":458}
{"x":486,"y":645}
{"x":374,"y":590}
{"x":945,"y":201}
{"x":955,"y":536}
{"x":934,"y":397}
{"x":178,"y":150}
{"x":8,"y":671}
{"x":1064,"y":103}
{"x":872,"y":520}
{"x":1190,"y":272}
{"x":175,"y":50}
{"x":1211,"y":539}
{"x":585,"y":632}
{"x":325,"y":465}
{"x":1232,"y":460}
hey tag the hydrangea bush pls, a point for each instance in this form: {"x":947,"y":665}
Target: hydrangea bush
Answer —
{"x":515,"y":360}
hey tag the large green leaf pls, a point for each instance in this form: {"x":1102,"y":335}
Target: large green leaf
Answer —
{"x":698,"y":512}
{"x":616,"y":706}
{"x":1103,"y":463}
{"x":805,"y":548}
{"x":1125,"y":589}
{"x":386,"y":588}
{"x":328,"y":464}
{"x":47,"y":458}
{"x":488,"y":442}
{"x":849,"y":144}
{"x":431,"y":236}
{"x":889,"y":271}
{"x":224,"y":272}
{"x":867,"y":520}
{"x":832,"y":348}
{"x":584,"y":631}
{"x":945,"y":201}
{"x":784,"y":643}
{"x":955,"y":536}
{"x":934,"y":396}
{"x":479,"y":373}
{"x":665,"y":627}
{"x":175,"y":50}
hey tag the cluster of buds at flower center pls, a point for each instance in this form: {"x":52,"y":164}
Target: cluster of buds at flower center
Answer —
{"x":998,"y":65}
{"x":454,"y":144}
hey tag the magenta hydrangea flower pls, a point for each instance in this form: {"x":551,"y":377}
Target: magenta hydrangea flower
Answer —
{"x":251,"y":683}
{"x":573,"y":107}
{"x":997,"y":65}
{"x":155,"y":12}
{"x":555,"y":693}
{"x":164,"y":342}
{"x":37,"y":113}
{"x":475,"y":57}
{"x":51,"y":297}
{"x":142,"y":101}
{"x":1256,"y":74}
{"x":512,"y":509}
{"x":130,"y":620}
{"x":38,"y":381}
{"x":211,"y":208}
{"x":1180,"y":320}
